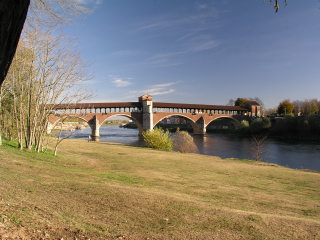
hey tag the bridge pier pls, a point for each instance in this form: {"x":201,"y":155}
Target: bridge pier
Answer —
{"x":95,"y":136}
{"x":200,"y":128}
{"x":199,"y":131}
{"x":95,"y":129}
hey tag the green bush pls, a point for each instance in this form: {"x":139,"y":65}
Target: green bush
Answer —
{"x":183,"y":142}
{"x":158,"y":139}
{"x":260,"y":124}
{"x":244,"y":124}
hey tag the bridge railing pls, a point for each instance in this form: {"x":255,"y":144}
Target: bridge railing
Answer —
{"x":96,"y":110}
{"x":155,"y":110}
{"x":199,"y":111}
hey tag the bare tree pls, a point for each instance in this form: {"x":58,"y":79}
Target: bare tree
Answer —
{"x":231,"y":102}
{"x":45,"y":72}
{"x":258,"y":146}
{"x":276,"y":4}
{"x":67,"y":135}
{"x":13,"y":14}
{"x":1,"y":116}
{"x":183,"y":142}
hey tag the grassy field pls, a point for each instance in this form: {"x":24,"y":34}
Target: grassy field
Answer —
{"x":111,"y":191}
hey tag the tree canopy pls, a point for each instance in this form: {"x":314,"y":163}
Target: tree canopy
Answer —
{"x":241,"y":102}
{"x":285,"y":107}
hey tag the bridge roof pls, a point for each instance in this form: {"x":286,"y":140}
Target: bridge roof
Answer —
{"x":198,"y":106}
{"x":155,"y":104}
{"x":97,"y":105}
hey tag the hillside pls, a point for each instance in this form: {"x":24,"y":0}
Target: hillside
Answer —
{"x":111,"y":191}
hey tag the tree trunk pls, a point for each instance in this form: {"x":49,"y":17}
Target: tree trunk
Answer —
{"x":1,"y":117}
{"x":12,"y":17}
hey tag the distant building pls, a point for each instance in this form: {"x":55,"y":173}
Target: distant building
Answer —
{"x":254,"y":108}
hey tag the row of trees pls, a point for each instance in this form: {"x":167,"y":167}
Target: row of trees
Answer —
{"x":43,"y":73}
{"x":288,"y":126}
{"x":306,"y":107}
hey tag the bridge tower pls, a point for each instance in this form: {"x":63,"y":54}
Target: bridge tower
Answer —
{"x":147,"y":113}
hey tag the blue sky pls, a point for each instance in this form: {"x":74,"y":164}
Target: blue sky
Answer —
{"x":201,"y":51}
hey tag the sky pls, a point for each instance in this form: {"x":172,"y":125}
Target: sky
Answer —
{"x":200,"y":51}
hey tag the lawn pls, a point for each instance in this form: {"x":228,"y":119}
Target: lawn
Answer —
{"x":112,"y":191}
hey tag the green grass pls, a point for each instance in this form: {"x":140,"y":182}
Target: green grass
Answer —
{"x":121,"y":178}
{"x":104,"y":190}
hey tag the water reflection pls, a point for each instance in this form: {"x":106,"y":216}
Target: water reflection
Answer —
{"x":285,"y":153}
{"x":112,"y":133}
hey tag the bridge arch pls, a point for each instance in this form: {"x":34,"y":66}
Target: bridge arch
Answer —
{"x":190,"y":120}
{"x":136,"y":121}
{"x":234,"y":121}
{"x":69,"y":116}
{"x":56,"y":119}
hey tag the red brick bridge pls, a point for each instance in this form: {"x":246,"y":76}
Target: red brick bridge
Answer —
{"x":146,"y":114}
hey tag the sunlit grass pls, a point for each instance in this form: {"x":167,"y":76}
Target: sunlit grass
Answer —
{"x":107,"y":190}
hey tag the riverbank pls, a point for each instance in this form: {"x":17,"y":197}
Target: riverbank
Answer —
{"x":113,"y":191}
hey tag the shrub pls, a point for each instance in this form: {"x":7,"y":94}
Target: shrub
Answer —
{"x":244,"y":124}
{"x":183,"y":142}
{"x":158,"y":139}
{"x":260,"y":124}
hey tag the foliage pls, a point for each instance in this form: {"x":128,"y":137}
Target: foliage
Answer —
{"x":244,"y":124}
{"x":260,"y":124}
{"x":183,"y":142}
{"x":241,"y":102}
{"x":244,"y":127}
{"x":312,"y":108}
{"x":297,"y":126}
{"x":44,"y":72}
{"x":158,"y":139}
{"x":285,"y":107}
{"x":306,"y":107}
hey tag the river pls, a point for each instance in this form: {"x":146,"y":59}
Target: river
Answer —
{"x":291,"y":154}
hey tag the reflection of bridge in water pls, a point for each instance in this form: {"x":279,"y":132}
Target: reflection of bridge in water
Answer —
{"x":146,"y":114}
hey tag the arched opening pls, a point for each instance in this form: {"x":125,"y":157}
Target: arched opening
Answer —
{"x":175,"y":121}
{"x":121,"y":128}
{"x":123,"y":121}
{"x":222,"y":124}
{"x":71,"y":126}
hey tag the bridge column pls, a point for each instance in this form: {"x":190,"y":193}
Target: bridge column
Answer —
{"x":95,"y":127}
{"x":147,"y":113}
{"x":200,"y":128}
